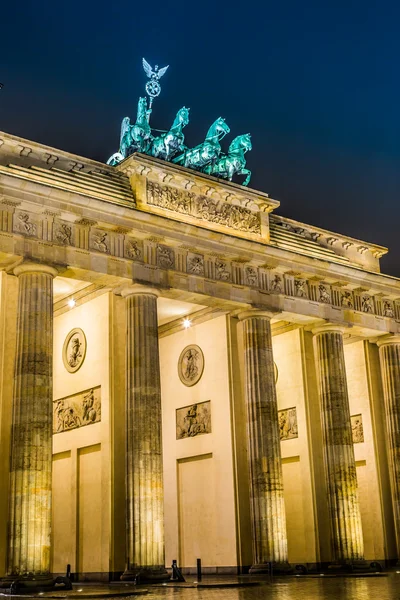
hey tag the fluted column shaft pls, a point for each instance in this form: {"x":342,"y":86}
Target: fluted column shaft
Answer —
{"x":340,"y":466}
{"x":144,"y":468}
{"x":389,"y":354}
{"x":31,"y":436}
{"x":267,"y":506}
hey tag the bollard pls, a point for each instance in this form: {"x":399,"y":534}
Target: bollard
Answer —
{"x":199,"y":569}
{"x":176,"y":572}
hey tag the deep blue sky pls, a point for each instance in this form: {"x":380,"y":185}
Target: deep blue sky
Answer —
{"x":316,"y":84}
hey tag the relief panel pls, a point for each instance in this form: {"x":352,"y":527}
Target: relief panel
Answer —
{"x":357,"y":428}
{"x":193,"y":420}
{"x":287,"y":419}
{"x":206,"y":209}
{"x":77,"y":410}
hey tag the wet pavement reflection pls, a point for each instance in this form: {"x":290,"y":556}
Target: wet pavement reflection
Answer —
{"x":343,"y":588}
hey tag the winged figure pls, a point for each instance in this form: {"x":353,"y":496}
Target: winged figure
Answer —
{"x":157,"y":73}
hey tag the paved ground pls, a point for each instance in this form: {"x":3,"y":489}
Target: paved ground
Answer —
{"x":290,"y":588}
{"x":321,"y":588}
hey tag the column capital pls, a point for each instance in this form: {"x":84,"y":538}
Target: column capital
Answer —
{"x":329,"y":328}
{"x":254,"y":312}
{"x":388,"y":340}
{"x":35,"y":268}
{"x":137,"y":288}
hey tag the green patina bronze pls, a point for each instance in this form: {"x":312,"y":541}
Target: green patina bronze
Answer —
{"x":167,"y":145}
{"x":207,"y":152}
{"x":234,"y":162}
{"x":206,"y":157}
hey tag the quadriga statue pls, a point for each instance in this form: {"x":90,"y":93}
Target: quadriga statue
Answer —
{"x":167,"y":145}
{"x":202,"y":155}
{"x":235,"y":162}
{"x":134,"y":138}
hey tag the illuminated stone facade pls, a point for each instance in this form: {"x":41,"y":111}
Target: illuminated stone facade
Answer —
{"x":217,"y":351}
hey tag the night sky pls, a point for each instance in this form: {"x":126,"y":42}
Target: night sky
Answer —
{"x":315,"y":83}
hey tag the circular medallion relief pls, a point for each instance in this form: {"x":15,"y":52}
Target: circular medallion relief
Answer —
{"x":74,"y":350}
{"x":191,"y":365}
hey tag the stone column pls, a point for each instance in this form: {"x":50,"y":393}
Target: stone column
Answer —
{"x":389,"y":355}
{"x":144,"y":467}
{"x":31,"y":435}
{"x":268,"y":519}
{"x":340,"y":466}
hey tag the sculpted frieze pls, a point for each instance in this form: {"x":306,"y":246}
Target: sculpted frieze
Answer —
{"x":99,"y":241}
{"x":287,"y":420}
{"x":346,"y":299}
{"x":357,"y":429}
{"x":23,"y":224}
{"x":250,"y":276}
{"x":62,"y":234}
{"x":276,"y":283}
{"x":121,"y":243}
{"x":222,"y":272}
{"x":300,"y":285}
{"x":324,"y":294}
{"x":195,"y":263}
{"x":133,"y":249}
{"x":165,"y":257}
{"x":169,"y":198}
{"x":77,"y":410}
{"x":366,"y":304}
{"x":387,"y":309}
{"x":193,"y":420}
{"x":204,"y":208}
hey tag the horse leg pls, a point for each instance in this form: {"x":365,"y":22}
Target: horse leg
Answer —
{"x":245,"y":172}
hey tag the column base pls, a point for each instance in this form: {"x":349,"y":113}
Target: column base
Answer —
{"x":349,"y":566}
{"x":274,"y":568}
{"x":25,"y":584}
{"x":146,"y":575}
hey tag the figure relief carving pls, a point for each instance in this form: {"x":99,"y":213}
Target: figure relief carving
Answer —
{"x":63,"y":234}
{"x":251,"y":276}
{"x":366,"y":304}
{"x":193,"y":420}
{"x":221,"y":271}
{"x":324,"y":295}
{"x":165,"y":257}
{"x":276,"y":284}
{"x":388,"y":309}
{"x":169,"y":198}
{"x":346,"y":299}
{"x":77,"y":410}
{"x":191,"y":365}
{"x":100,"y":242}
{"x":301,"y":288}
{"x":357,"y":429}
{"x":133,"y":250}
{"x":74,"y":350}
{"x":24,"y":225}
{"x":195,"y":264}
{"x":287,"y":419}
{"x":202,"y":207}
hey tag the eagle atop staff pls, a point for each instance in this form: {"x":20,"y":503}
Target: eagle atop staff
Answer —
{"x":156,"y":74}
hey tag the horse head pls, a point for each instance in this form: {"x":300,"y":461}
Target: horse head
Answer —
{"x":218,"y":129}
{"x":183,"y":116}
{"x":241,"y":142}
{"x":181,"y":119}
